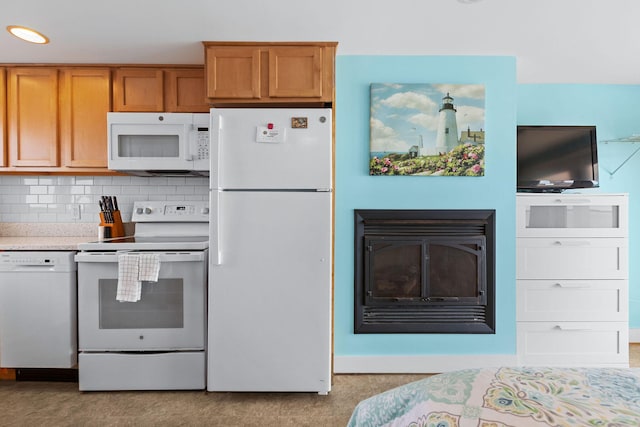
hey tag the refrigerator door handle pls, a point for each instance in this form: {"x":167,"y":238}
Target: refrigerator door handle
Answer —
{"x":215,"y":136}
{"x":214,"y":228}
{"x":215,"y":141}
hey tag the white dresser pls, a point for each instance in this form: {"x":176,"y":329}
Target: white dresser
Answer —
{"x":572,"y":279}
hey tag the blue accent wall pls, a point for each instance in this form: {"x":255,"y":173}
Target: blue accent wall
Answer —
{"x":615,"y":111}
{"x":355,"y":189}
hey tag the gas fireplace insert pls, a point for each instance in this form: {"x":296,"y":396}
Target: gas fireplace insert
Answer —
{"x":424,"y":271}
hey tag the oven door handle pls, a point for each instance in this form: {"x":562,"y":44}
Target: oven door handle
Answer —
{"x":164,"y":256}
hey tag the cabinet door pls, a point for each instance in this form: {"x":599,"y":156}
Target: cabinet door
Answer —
{"x":138,"y":89}
{"x":233,"y":72}
{"x":85,"y":99}
{"x":184,"y":91}
{"x":295,"y":72}
{"x":33,"y":116}
{"x":3,"y":117}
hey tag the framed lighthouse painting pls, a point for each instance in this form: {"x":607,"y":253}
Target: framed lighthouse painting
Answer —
{"x":427,"y":129}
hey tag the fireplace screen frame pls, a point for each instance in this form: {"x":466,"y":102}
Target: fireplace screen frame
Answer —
{"x":419,"y":312}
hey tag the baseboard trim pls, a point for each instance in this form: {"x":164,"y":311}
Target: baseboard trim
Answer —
{"x":418,"y":364}
{"x":634,"y":335}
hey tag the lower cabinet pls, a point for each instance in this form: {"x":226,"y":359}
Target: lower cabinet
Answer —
{"x":572,"y":298}
{"x":7,"y":374}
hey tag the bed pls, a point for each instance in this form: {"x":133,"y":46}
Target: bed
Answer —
{"x":509,"y":397}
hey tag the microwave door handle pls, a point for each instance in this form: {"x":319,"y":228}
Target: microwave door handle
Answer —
{"x":189,"y":147}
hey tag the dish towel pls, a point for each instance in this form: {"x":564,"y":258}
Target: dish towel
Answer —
{"x":129,"y":284}
{"x":148,"y":267}
{"x":133,"y":269}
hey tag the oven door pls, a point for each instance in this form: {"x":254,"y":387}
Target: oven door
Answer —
{"x":170,"y":314}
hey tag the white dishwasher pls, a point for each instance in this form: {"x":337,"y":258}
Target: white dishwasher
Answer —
{"x":38,"y":310}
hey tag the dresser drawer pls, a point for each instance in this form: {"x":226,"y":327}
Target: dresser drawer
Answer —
{"x":571,"y":215}
{"x":573,"y":343}
{"x":571,"y":300}
{"x":567,"y":258}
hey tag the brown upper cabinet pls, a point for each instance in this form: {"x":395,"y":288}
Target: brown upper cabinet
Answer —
{"x":56,"y":119}
{"x":85,"y":100}
{"x":53,"y":118}
{"x":184,"y":91}
{"x":138,"y":89}
{"x":33,"y":116}
{"x":276,"y":73}
{"x":143,"y":89}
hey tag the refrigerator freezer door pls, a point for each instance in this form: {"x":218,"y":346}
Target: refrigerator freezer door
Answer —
{"x":270,"y":148}
{"x":270,"y":298}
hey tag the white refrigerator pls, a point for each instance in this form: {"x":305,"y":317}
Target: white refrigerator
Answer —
{"x":269,"y":297}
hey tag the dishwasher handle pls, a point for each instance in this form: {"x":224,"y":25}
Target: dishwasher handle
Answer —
{"x":112,"y":257}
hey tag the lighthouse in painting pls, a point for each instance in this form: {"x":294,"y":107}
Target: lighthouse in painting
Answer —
{"x":447,"y":135}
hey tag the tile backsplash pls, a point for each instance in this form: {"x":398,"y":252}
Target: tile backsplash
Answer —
{"x":75,"y":198}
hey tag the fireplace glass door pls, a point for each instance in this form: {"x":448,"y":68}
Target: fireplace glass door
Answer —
{"x":425,"y":270}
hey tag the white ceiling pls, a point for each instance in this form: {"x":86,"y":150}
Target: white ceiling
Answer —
{"x":555,"y":41}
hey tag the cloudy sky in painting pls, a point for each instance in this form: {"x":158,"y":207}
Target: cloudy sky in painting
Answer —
{"x":403,"y":113}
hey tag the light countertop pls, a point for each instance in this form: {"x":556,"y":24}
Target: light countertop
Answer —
{"x":45,"y":236}
{"x":43,"y":243}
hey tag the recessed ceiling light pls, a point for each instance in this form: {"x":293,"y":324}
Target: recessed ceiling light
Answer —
{"x":27,"y":34}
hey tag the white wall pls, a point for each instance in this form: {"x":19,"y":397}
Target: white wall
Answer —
{"x":555,"y":41}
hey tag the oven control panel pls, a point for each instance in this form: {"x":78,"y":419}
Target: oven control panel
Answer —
{"x":166,"y":211}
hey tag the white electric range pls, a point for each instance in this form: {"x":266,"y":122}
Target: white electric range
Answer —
{"x":157,"y":342}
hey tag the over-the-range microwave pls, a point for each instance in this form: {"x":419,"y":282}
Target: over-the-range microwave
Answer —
{"x":164,"y":144}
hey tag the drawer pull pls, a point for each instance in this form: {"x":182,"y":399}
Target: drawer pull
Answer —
{"x":572,"y":328}
{"x":572,"y":285}
{"x":574,"y":243}
{"x":574,"y":201}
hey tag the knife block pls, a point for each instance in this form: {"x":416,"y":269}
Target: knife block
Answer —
{"x":117,"y":229}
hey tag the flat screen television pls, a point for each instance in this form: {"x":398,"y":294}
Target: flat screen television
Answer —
{"x":557,"y":158}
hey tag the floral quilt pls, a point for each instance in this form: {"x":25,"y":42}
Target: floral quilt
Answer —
{"x":509,"y":397}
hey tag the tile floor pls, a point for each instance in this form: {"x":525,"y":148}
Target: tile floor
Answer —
{"x":26,"y":403}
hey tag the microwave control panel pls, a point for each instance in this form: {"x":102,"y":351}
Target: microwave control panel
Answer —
{"x":202,"y":144}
